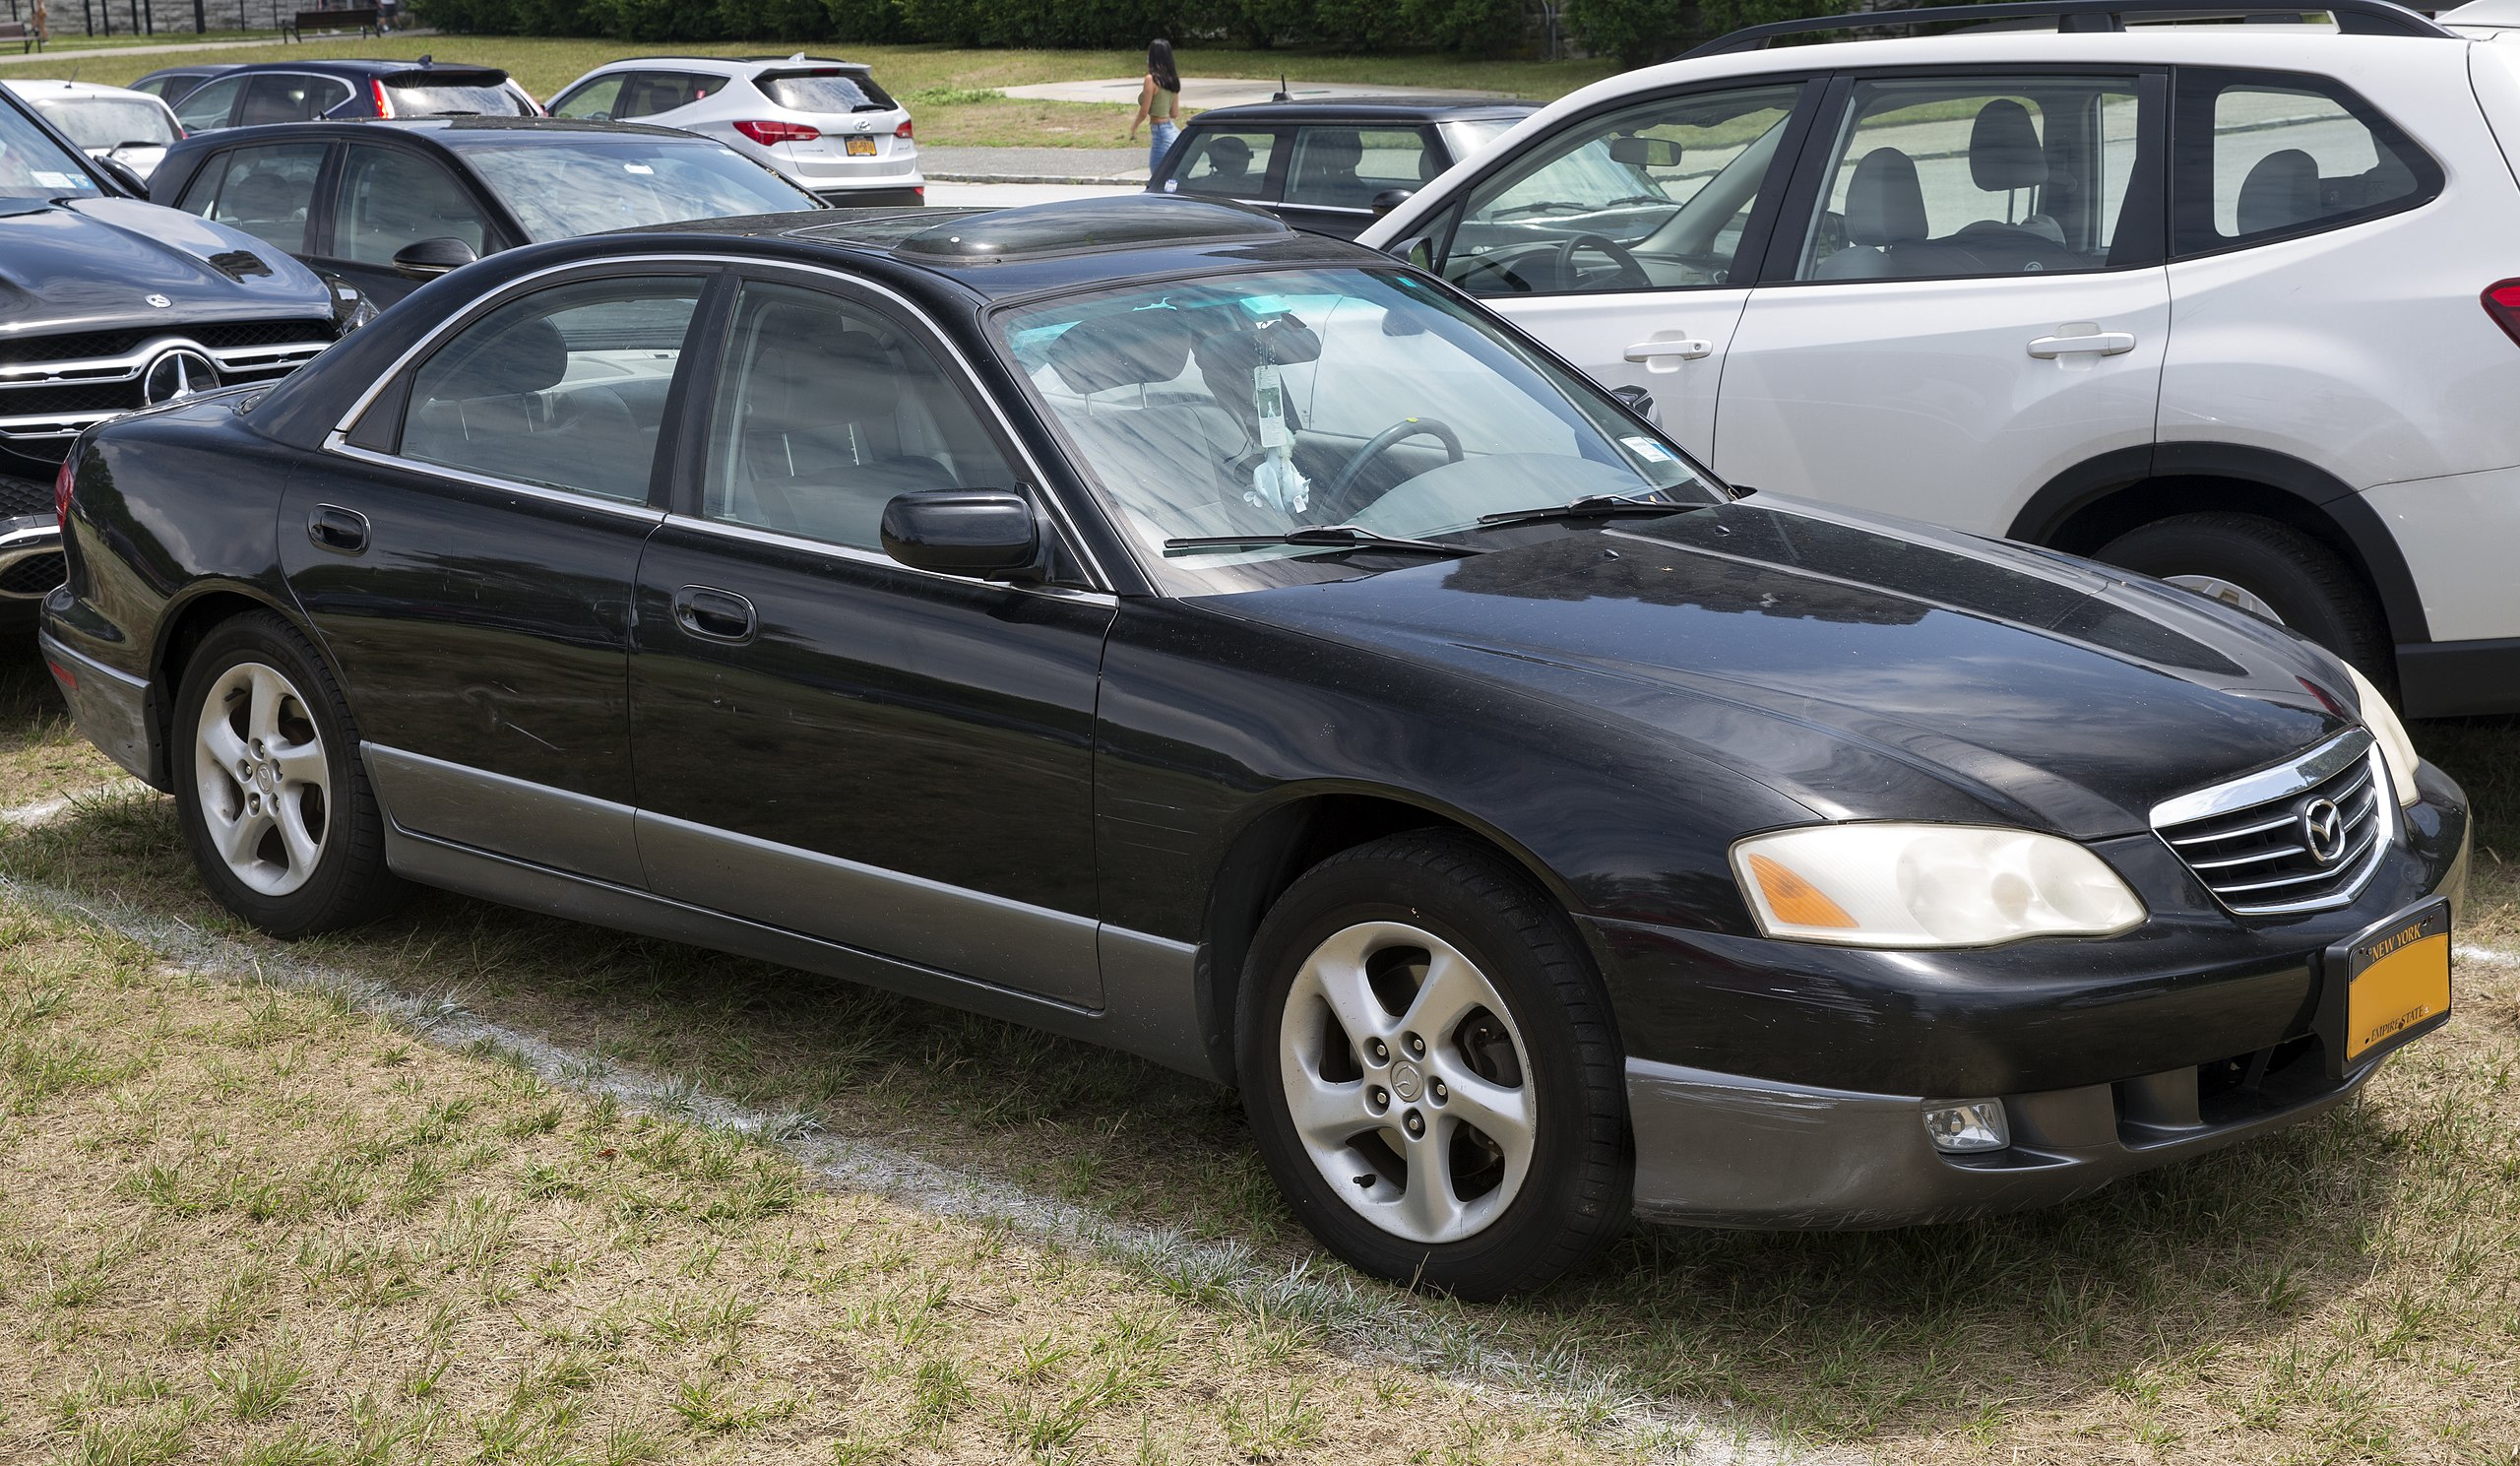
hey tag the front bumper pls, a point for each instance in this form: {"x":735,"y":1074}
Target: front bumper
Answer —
{"x":2110,"y":1057}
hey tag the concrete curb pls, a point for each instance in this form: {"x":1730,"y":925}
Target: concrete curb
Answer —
{"x":1036,"y":178}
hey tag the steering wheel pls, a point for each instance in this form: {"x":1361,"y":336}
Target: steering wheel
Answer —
{"x":1401,"y":431}
{"x":1630,"y":274}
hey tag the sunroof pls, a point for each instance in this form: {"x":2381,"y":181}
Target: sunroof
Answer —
{"x":1079,"y":225}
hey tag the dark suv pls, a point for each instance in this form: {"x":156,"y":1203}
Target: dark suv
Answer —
{"x":302,"y":91}
{"x":1328,"y":166}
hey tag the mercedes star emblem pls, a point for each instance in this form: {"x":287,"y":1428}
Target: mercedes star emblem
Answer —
{"x":2323,"y":831}
{"x":177,"y":374}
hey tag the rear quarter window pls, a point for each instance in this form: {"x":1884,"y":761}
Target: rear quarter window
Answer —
{"x":2266,"y":155}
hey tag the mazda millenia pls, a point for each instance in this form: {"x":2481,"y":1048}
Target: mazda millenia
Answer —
{"x":1136,"y":619}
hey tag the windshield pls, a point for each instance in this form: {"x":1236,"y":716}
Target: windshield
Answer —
{"x":825,"y":91}
{"x":1469,"y":134}
{"x":410,"y":100}
{"x":561,"y":187}
{"x":108,"y":121}
{"x":1262,"y":404}
{"x":35,"y":167}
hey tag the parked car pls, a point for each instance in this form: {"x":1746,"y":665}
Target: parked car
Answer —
{"x":302,"y":91}
{"x":1135,"y":618}
{"x":1328,"y":166}
{"x":173,"y":83}
{"x":112,"y":123}
{"x":827,"y":124}
{"x":114,"y":304}
{"x":386,"y":204}
{"x":2226,"y":305}
{"x":2482,"y":20}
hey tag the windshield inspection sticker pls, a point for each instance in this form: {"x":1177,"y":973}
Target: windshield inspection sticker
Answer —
{"x":1647,"y":450}
{"x":637,"y":167}
{"x":1275,"y":484}
{"x":56,"y":180}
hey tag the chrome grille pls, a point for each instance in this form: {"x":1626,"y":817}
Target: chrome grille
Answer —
{"x":52,"y":387}
{"x":22,"y":497}
{"x":2299,"y":837}
{"x":32,"y":576}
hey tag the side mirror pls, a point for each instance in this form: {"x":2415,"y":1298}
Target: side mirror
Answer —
{"x":985,"y":533}
{"x":1638,"y":399}
{"x":427,"y":259}
{"x":1390,"y":199}
{"x":123,"y":174}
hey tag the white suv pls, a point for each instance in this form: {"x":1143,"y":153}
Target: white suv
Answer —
{"x":2224,"y":304}
{"x":826,"y":124}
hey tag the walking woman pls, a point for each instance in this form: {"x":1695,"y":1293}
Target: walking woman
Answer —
{"x":1159,"y":102}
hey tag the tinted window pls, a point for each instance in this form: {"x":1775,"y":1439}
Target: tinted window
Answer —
{"x":825,"y":91}
{"x":825,"y":412}
{"x":2262,"y":158}
{"x":207,"y":109}
{"x":105,"y":121}
{"x":422,"y":99}
{"x":565,"y":388}
{"x":592,"y":101}
{"x":266,"y":191}
{"x":1672,"y":184}
{"x":1344,"y":167}
{"x":283,"y":97}
{"x":390,"y":198}
{"x":558,"y":187}
{"x":645,"y":94}
{"x":1224,"y":164}
{"x":2020,"y":175}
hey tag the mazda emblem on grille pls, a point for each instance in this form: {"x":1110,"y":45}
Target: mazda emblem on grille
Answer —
{"x":175,"y":375}
{"x":2323,"y":831}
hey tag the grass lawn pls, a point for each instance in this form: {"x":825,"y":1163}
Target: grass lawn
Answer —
{"x":242,"y":1220}
{"x":545,"y":66}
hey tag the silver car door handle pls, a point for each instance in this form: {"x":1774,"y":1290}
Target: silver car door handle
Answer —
{"x":1646,"y":350}
{"x":2105,"y":343}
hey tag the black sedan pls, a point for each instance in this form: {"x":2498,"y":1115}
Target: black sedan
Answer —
{"x":1137,"y":620}
{"x":384,"y":204}
{"x":1331,"y":165}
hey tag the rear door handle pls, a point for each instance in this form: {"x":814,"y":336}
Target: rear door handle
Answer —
{"x":2104,"y":343}
{"x":341,"y":531}
{"x":1688,"y":350}
{"x":714,"y":615}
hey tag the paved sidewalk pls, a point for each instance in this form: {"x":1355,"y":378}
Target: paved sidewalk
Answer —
{"x":1198,"y":93}
{"x":1102,"y":166}
{"x":70,"y":50}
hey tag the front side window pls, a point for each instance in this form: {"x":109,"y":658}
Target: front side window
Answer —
{"x":1224,"y":164}
{"x":35,"y":167}
{"x":597,"y":100}
{"x":206,"y":109}
{"x":1265,"y":403}
{"x":285,"y":97}
{"x":564,"y":389}
{"x":2263,"y":157}
{"x":825,"y":412}
{"x":390,"y":199}
{"x":559,"y":186}
{"x":267,"y":191}
{"x":1656,"y":197}
{"x":1344,"y":167}
{"x":1974,"y":175}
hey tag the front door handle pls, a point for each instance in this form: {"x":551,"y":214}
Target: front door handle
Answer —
{"x":341,"y":531}
{"x":1689,"y":350}
{"x":2094,"y":340}
{"x":714,"y":615}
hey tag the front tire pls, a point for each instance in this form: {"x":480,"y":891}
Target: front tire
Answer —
{"x":2269,"y":569}
{"x":274,"y":800}
{"x":1431,"y":1071}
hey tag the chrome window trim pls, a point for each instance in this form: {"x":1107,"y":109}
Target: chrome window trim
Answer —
{"x":336,"y":440}
{"x":2289,"y":778}
{"x":583,"y":498}
{"x":738,"y":531}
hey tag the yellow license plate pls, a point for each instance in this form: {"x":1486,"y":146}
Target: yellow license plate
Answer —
{"x":861,"y":146}
{"x":2396,"y":983}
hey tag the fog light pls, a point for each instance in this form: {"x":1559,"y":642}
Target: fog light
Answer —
{"x":1976,"y":1125}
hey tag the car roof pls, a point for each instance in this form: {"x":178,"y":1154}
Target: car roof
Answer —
{"x":358,"y":68}
{"x":200,"y":69}
{"x":28,"y":86}
{"x":1370,"y":110}
{"x":748,"y":65}
{"x":443,"y":132}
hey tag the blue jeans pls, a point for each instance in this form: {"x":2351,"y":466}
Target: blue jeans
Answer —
{"x":1161,"y":133}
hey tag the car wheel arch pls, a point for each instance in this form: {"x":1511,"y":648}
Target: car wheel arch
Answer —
{"x":183,"y":625}
{"x":2094,"y":501}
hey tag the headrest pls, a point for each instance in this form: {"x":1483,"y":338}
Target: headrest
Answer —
{"x":527,"y":356}
{"x":1124,"y":348}
{"x":1336,"y":147}
{"x":805,"y":371}
{"x":1885,"y":204}
{"x":2003,"y":149}
{"x":2282,"y":191}
{"x":261,"y":194}
{"x":1229,"y":154}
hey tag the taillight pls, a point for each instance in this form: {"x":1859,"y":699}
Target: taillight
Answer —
{"x":384,"y":108}
{"x":902,"y":131}
{"x":2502,"y":302}
{"x":770,"y":134}
{"x":61,"y":482}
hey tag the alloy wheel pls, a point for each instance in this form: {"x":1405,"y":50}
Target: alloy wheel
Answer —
{"x":265,"y":783}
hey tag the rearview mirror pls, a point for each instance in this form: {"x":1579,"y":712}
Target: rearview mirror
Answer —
{"x":427,"y":259}
{"x":1645,"y":152}
{"x":1390,"y":199}
{"x":987,"y":533}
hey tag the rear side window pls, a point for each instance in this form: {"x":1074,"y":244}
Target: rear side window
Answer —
{"x":825,"y":90}
{"x":647,"y":93}
{"x":1344,"y":167}
{"x":271,"y":98}
{"x":206,"y":109}
{"x":1224,"y":164}
{"x":265,"y":191}
{"x":2268,"y":156}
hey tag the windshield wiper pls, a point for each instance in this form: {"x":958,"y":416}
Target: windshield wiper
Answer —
{"x":1589,"y":506}
{"x":1326,"y":537}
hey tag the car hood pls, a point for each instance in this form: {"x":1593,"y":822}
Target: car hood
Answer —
{"x":95,"y":263}
{"x":1866,"y":668}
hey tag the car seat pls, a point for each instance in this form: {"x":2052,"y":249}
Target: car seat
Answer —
{"x":2280,"y":192}
{"x":1885,"y":210}
{"x":486,"y":403}
{"x":1328,"y":174}
{"x":819,"y":435}
{"x":2005,"y":156}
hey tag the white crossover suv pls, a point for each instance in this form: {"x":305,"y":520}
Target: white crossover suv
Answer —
{"x":826,"y":124}
{"x":2230,"y":305}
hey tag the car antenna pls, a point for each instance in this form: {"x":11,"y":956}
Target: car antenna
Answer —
{"x":427,"y":60}
{"x":1283,"y":93}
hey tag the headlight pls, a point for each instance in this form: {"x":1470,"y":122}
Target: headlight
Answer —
{"x":1890,"y":885}
{"x":2397,"y":750}
{"x":353,"y":308}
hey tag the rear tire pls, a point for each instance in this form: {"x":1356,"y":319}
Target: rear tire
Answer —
{"x":2271,"y":569}
{"x":274,"y":800}
{"x":1431,"y":1070}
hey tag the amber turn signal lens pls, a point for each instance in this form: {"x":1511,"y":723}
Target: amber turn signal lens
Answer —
{"x":1793,"y":899}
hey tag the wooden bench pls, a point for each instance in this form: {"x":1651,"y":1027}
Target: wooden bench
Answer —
{"x":23,"y":33}
{"x":362,"y":21}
